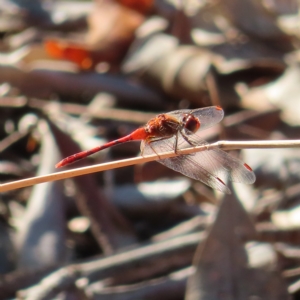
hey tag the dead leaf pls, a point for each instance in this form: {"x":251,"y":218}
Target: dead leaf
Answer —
{"x":223,"y":270}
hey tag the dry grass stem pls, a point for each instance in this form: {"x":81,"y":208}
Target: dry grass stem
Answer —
{"x":225,"y":145}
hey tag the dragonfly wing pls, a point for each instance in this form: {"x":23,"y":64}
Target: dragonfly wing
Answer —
{"x":218,"y":162}
{"x":224,"y":166}
{"x":208,"y":116}
{"x":212,"y":167}
{"x":185,"y":164}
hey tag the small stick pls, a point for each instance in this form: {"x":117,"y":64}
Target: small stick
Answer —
{"x":225,"y":145}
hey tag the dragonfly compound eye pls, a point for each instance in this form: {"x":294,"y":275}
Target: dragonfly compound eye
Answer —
{"x":191,"y":123}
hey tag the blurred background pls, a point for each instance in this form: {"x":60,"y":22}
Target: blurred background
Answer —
{"x":76,"y":74}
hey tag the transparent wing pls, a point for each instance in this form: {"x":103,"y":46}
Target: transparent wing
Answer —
{"x":218,"y":162}
{"x":208,"y":116}
{"x":212,"y":167}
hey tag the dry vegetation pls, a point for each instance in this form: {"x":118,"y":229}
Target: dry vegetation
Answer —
{"x":74,"y":75}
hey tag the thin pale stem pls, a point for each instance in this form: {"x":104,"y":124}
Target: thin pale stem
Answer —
{"x":225,"y":145}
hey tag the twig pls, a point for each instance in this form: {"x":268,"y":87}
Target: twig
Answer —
{"x":170,"y":286}
{"x":103,"y":113}
{"x":225,"y":145}
{"x":43,"y":80}
{"x":131,"y":265}
{"x":11,"y":139}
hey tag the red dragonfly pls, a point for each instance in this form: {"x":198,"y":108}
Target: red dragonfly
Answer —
{"x":179,"y":130}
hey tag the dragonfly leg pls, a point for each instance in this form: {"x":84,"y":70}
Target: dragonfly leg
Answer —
{"x":151,"y":140}
{"x":154,"y":151}
{"x":143,"y":148}
{"x":187,"y":139}
{"x":176,"y":143}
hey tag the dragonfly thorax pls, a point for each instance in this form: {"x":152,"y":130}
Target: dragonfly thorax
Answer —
{"x":162,"y":126}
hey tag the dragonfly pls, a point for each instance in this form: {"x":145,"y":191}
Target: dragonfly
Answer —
{"x":178,"y":130}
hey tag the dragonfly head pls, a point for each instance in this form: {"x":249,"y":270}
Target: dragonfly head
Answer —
{"x":190,"y":123}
